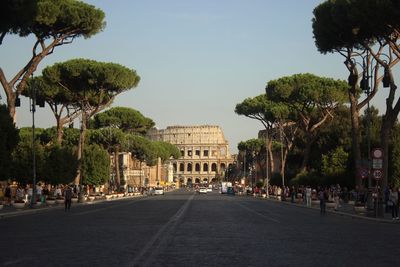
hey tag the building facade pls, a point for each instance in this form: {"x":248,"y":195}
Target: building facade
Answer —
{"x":135,"y":173}
{"x":204,"y":152}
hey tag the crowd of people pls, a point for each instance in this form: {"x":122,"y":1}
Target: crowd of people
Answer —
{"x":334,"y":194}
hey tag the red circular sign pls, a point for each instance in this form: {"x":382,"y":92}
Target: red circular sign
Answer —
{"x":378,"y":174}
{"x":377,"y":153}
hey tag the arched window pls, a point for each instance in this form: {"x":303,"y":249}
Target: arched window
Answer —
{"x":175,"y":167}
{"x":223,"y":167}
{"x":181,"y":167}
{"x":189,"y":167}
{"x":205,"y":167}
{"x":214,"y":167}
{"x":197,"y":167}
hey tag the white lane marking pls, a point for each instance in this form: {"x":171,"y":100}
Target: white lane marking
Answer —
{"x":105,"y":208}
{"x":258,"y":213}
{"x":146,"y":255}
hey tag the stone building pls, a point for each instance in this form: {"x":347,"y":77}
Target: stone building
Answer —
{"x":135,"y":173}
{"x":204,"y":152}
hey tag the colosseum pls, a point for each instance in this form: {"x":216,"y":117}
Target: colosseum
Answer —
{"x":204,"y":152}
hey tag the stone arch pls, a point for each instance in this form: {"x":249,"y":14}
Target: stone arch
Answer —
{"x":223,"y":167}
{"x":197,"y":167}
{"x":189,"y":167}
{"x":205,"y":167}
{"x":197,"y":180}
{"x":181,"y":167}
{"x":214,"y":167}
{"x":175,"y":167}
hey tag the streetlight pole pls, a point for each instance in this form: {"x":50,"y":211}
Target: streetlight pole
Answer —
{"x":366,"y":85}
{"x":33,"y":109}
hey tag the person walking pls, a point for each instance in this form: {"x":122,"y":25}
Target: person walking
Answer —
{"x":322,"y":200}
{"x":7,"y":194}
{"x":68,"y":197}
{"x":394,"y":202}
{"x":20,"y":193}
{"x":308,"y":196}
{"x":336,"y":198}
{"x":292,"y":194}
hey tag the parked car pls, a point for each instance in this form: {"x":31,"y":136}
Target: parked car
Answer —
{"x":159,"y":191}
{"x":203,"y":190}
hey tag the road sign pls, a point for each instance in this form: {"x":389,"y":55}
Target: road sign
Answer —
{"x":377,"y":163}
{"x":363,"y":173}
{"x":377,"y":174}
{"x":377,"y":153}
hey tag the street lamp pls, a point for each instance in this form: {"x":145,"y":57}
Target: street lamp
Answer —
{"x":366,"y":84}
{"x":33,"y":103}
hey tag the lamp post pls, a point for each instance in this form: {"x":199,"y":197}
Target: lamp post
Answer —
{"x":33,"y":109}
{"x":366,"y":84}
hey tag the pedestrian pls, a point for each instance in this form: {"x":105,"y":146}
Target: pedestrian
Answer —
{"x":7,"y":194}
{"x":58,"y":192}
{"x":45,"y":193}
{"x":322,"y":194}
{"x":394,"y":202}
{"x":336,"y":198}
{"x":20,"y":193}
{"x":1,"y":192}
{"x":67,"y":197}
{"x":292,"y":194}
{"x":39,"y":192}
{"x":29,"y":193}
{"x":308,"y":196}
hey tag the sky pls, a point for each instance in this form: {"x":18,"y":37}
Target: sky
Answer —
{"x":196,"y":59}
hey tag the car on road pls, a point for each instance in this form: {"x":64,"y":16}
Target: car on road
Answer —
{"x":203,"y":190}
{"x":159,"y":191}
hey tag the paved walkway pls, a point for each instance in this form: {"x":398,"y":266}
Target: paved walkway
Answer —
{"x":11,"y":211}
{"x":346,"y":209}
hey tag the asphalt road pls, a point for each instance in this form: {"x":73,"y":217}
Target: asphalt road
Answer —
{"x":185,"y":229}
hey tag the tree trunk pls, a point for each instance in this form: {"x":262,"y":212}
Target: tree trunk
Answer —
{"x":271,"y":158}
{"x":116,"y":163}
{"x":59,"y":130}
{"x":307,"y":150}
{"x":79,"y":177}
{"x":283,"y":165}
{"x":11,"y":107}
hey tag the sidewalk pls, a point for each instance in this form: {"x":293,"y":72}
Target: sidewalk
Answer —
{"x":345,"y":209}
{"x":11,"y":211}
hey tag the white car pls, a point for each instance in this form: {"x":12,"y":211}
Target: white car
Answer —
{"x":203,"y":190}
{"x":159,"y":191}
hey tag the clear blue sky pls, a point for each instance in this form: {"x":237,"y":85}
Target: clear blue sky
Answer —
{"x":197,"y":59}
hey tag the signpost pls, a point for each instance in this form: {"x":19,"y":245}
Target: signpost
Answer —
{"x":377,"y":173}
{"x":377,"y":163}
